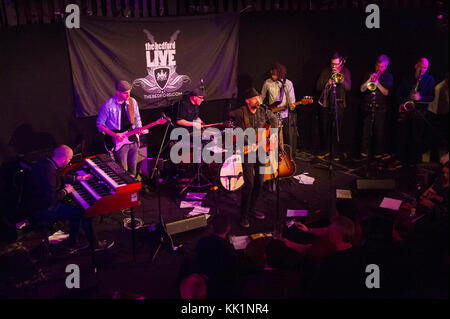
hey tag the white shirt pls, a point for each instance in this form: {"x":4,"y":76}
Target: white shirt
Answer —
{"x":272,"y":89}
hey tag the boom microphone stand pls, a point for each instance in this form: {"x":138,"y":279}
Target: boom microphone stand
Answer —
{"x":156,"y":174}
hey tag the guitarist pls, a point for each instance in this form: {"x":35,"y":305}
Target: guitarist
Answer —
{"x":279,"y":89}
{"x":254,"y":116}
{"x":117,"y":115}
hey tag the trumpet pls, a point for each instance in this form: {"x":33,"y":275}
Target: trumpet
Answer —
{"x":372,"y":85}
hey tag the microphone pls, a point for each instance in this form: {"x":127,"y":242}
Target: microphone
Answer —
{"x":164,"y":116}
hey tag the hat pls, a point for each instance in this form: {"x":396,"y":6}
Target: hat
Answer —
{"x":197,"y":92}
{"x":123,"y":86}
{"x":250,"y":93}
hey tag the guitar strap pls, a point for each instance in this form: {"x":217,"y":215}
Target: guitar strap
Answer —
{"x":131,"y":110}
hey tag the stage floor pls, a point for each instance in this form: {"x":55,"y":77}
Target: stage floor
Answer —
{"x":157,"y":279}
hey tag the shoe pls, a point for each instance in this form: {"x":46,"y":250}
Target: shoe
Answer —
{"x":257,"y":215}
{"x":378,"y":156}
{"x":104,"y":244}
{"x":244,"y":222}
{"x":336,"y":158}
{"x":364,"y":155}
{"x":323,"y":156}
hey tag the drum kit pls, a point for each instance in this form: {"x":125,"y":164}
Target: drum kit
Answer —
{"x":223,"y":170}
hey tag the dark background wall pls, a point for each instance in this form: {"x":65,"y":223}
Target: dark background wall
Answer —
{"x":36,"y":85}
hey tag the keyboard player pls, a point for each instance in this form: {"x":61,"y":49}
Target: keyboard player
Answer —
{"x":47,"y":190}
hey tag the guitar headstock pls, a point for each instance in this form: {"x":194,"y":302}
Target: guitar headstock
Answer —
{"x":162,"y":120}
{"x":307,"y":100}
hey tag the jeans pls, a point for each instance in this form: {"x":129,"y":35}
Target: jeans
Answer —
{"x":75,"y":215}
{"x":127,"y":156}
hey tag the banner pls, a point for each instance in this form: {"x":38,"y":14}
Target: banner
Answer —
{"x":161,"y":57}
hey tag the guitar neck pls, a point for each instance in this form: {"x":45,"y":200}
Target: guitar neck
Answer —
{"x":282,"y":108}
{"x":136,"y":130}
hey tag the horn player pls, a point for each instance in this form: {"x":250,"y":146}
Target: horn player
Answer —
{"x":376,"y":90}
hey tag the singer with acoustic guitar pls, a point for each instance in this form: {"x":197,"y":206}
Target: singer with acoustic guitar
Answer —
{"x":120,"y":121}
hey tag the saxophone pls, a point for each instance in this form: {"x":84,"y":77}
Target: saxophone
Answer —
{"x":410,"y":104}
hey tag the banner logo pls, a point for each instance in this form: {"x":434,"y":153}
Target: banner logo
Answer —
{"x":162,"y":79}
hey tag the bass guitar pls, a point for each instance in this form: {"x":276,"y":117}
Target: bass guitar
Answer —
{"x":112,"y":144}
{"x":304,"y":101}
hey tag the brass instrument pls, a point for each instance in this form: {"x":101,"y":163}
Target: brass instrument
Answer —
{"x":410,"y":104}
{"x":337,"y":77}
{"x":371,"y":85}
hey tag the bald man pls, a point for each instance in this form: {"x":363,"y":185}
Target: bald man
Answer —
{"x":417,"y":87}
{"x":47,"y":190}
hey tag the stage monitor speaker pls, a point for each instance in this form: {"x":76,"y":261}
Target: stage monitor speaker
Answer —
{"x":375,"y":184}
{"x":184,"y":225}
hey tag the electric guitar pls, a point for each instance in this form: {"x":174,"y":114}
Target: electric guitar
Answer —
{"x":112,"y":144}
{"x":304,"y":101}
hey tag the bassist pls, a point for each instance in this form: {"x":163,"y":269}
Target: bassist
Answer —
{"x":279,"y":90}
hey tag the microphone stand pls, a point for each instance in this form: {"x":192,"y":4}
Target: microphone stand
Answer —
{"x":162,"y":225}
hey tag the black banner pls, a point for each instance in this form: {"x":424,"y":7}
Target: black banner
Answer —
{"x":161,"y":57}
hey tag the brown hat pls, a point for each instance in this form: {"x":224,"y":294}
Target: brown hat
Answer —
{"x":123,"y":86}
{"x":250,"y":93}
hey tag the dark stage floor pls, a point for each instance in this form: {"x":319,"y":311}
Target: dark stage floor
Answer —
{"x":118,"y":272}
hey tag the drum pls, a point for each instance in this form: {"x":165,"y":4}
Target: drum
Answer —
{"x":231,"y":174}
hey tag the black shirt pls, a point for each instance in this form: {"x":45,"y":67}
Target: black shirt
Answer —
{"x":187,"y":111}
{"x":45,"y":188}
{"x":386,"y":80}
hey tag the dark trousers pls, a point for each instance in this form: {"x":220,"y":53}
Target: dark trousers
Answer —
{"x":374,"y":130}
{"x":74,"y":215}
{"x":329,"y":130}
{"x":411,"y":136}
{"x":253,"y":182}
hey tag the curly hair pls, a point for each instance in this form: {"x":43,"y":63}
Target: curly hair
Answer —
{"x":279,"y":69}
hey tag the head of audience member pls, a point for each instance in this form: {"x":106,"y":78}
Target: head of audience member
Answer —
{"x":193,"y":287}
{"x":403,"y":228}
{"x":421,"y":67}
{"x":62,"y":155}
{"x":341,"y":232}
{"x":381,"y":64}
{"x":221,"y":225}
{"x":251,"y":97}
{"x":347,"y":208}
{"x":196,"y":96}
{"x":123,"y":90}
{"x":278,"y":72}
{"x":336,"y":63}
